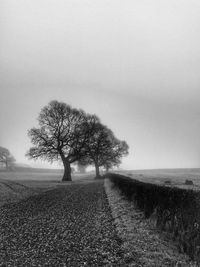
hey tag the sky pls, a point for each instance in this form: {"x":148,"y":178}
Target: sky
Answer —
{"x":134,"y":63}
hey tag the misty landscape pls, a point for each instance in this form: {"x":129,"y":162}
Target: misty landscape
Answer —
{"x":99,"y":140}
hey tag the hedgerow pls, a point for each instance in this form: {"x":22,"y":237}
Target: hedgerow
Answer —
{"x":176,"y":210}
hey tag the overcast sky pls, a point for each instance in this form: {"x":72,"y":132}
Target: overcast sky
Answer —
{"x":135,"y":63}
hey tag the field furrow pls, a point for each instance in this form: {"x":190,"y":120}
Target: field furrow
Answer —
{"x":67,"y":226}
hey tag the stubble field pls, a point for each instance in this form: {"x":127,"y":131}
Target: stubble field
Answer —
{"x":176,"y":177}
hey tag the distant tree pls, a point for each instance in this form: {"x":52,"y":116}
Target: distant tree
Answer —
{"x":6,"y":158}
{"x":103,"y":148}
{"x":72,"y":169}
{"x":81,"y":167}
{"x":61,"y":136}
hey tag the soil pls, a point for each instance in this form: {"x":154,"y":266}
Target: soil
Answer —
{"x":70,"y":225}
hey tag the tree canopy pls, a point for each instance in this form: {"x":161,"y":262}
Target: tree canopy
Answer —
{"x":103,"y":148}
{"x":114,"y":155}
{"x":61,"y":135}
{"x":71,"y":135}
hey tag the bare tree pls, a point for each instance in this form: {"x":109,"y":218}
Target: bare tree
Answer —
{"x":113,"y":157}
{"x":103,"y":148}
{"x":6,"y":158}
{"x":62,"y":135}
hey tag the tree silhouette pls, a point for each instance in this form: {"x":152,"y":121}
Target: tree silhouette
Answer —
{"x":114,"y":155}
{"x":62,"y":135}
{"x":6,"y":158}
{"x":103,"y":148}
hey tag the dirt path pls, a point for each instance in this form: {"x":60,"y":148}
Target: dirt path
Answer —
{"x":67,"y":226}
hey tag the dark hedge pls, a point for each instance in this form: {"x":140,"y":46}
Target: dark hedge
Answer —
{"x":176,"y":210}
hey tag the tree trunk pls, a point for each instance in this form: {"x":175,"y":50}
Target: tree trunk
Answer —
{"x":97,"y":171}
{"x":6,"y":163}
{"x":67,"y":171}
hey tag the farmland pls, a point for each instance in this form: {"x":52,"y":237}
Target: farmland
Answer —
{"x":15,"y":185}
{"x":177,"y":177}
{"x":70,"y":225}
{"x":24,"y":182}
{"x":49,"y":223}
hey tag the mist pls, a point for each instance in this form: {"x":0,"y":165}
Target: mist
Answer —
{"x":135,"y":64}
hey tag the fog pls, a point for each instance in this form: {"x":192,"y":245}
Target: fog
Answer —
{"x":134,"y":63}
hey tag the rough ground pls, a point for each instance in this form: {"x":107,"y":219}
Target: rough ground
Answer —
{"x":142,"y":244}
{"x":11,"y":191}
{"x":67,"y":226}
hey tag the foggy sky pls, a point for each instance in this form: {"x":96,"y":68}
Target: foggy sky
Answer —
{"x":135,"y":63}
